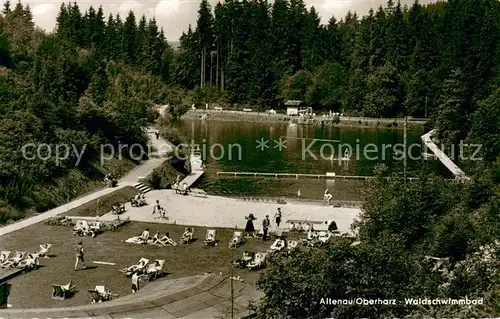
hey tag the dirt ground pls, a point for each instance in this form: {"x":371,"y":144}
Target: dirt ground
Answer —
{"x":34,"y":289}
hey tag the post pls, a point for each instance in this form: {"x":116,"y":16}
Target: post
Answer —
{"x":405,"y":150}
{"x":232,"y":293}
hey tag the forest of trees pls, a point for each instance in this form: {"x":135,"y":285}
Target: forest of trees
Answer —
{"x":90,"y":83}
{"x":96,"y":80}
{"x":392,"y":61}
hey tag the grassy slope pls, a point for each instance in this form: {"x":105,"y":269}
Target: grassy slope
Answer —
{"x":92,"y":208}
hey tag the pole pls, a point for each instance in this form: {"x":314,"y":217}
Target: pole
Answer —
{"x":232,"y":293}
{"x":405,"y":150}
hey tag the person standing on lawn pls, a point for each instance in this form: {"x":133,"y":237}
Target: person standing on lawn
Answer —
{"x":79,"y":255}
{"x":135,"y":282}
{"x":265,"y":227}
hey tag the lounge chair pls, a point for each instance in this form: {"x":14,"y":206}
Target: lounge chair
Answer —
{"x":166,"y":241}
{"x":278,"y":245}
{"x":187,"y":236}
{"x":61,"y":292}
{"x":210,"y":238}
{"x":31,"y":262}
{"x":139,"y":267}
{"x":100,"y":294}
{"x":259,"y":261}
{"x":4,"y":256}
{"x":154,"y":271}
{"x":292,"y":244}
{"x":243,"y":262}
{"x":324,"y":237}
{"x":44,"y":249}
{"x":237,"y":240}
{"x":82,"y":228}
{"x":118,"y":208}
{"x":16,"y":259}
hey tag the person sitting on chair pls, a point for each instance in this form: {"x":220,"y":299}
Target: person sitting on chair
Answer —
{"x":156,"y":237}
{"x":186,"y":236}
{"x":185,"y":188}
{"x":145,"y":236}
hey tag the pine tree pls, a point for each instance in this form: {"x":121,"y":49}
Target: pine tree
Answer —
{"x":204,"y":31}
{"x":129,"y":39}
{"x":6,"y":8}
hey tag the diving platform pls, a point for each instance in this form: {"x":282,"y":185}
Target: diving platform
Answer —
{"x":442,"y":157}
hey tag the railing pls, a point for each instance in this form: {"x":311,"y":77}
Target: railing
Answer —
{"x":297,"y":176}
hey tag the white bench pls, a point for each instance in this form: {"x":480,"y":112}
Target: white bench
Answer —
{"x":198,"y":192}
{"x":247,"y":110}
{"x":218,"y":108}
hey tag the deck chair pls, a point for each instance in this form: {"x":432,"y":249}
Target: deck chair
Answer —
{"x":237,"y":240}
{"x":31,"y":262}
{"x":99,"y":294}
{"x":292,"y":244}
{"x":210,"y":238}
{"x":187,"y":236}
{"x":278,"y":245}
{"x":324,"y":237}
{"x":243,"y":262}
{"x":165,"y":241}
{"x":16,"y":259}
{"x":139,"y":267}
{"x":44,"y":249}
{"x":154,"y":271}
{"x":82,"y":228}
{"x":4,"y":256}
{"x":61,"y":292}
{"x":259,"y":261}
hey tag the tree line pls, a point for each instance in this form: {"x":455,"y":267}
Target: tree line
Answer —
{"x":392,"y":61}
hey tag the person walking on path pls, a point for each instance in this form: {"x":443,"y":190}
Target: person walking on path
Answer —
{"x":265,"y":227}
{"x":277,"y":217}
{"x":79,"y":255}
{"x":135,"y":282}
{"x":299,"y":194}
{"x":249,"y":228}
{"x":157,"y":133}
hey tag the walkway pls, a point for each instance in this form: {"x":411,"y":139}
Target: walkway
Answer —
{"x":206,"y":296}
{"x":217,"y":211}
{"x":452,"y":167}
{"x":131,"y":178}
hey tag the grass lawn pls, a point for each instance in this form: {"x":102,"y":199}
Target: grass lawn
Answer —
{"x":91,"y":208}
{"x":34,"y":289}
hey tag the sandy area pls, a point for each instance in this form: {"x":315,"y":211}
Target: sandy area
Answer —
{"x":215,"y":211}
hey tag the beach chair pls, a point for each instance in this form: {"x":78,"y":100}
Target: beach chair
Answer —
{"x":278,"y":245}
{"x":61,"y":292}
{"x":259,"y":262}
{"x":243,"y":262}
{"x":4,"y":256}
{"x":100,"y":294}
{"x":154,"y":271}
{"x":44,"y":249}
{"x":237,"y":240}
{"x":187,"y":236}
{"x":292,"y":244}
{"x":81,"y":228}
{"x":165,"y":241}
{"x":323,"y":237}
{"x":210,"y":238}
{"x":31,"y":262}
{"x":16,"y":259}
{"x":139,"y":267}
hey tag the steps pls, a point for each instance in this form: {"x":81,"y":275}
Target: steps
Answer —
{"x":142,"y":188}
